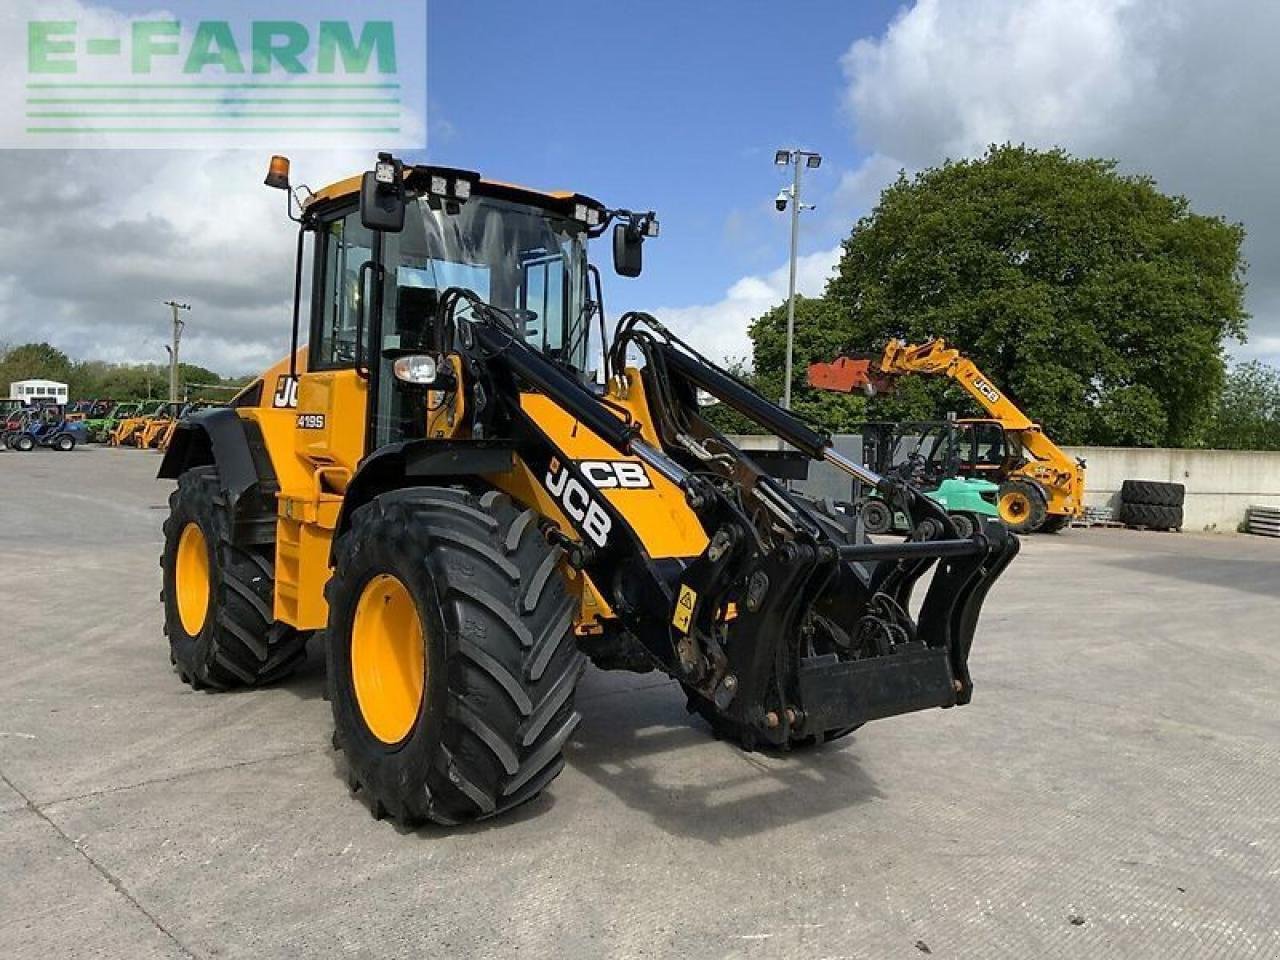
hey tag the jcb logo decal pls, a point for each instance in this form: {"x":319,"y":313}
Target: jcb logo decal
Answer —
{"x":578,"y":503}
{"x":286,"y":394}
{"x":609,"y":474}
{"x":987,"y":390}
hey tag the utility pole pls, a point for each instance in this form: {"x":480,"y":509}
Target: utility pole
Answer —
{"x":796,"y":159}
{"x":178,"y":324}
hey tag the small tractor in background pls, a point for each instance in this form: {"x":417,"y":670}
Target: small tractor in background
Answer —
{"x":15,"y":421}
{"x":128,"y":427}
{"x":50,"y":427}
{"x":1041,"y":487}
{"x":928,"y":454}
{"x":101,"y":427}
{"x":148,"y":436}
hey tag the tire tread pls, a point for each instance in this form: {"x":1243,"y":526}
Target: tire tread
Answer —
{"x":508,"y":651}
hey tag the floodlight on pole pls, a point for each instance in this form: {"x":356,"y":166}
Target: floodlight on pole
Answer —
{"x":797,"y":159}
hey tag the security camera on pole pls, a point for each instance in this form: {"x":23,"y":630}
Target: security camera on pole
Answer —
{"x":797,"y":159}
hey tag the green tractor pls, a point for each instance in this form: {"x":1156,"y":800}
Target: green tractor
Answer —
{"x":935,"y":456}
{"x":100,"y":427}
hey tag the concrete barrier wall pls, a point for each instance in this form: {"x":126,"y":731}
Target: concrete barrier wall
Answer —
{"x":1221,"y":484}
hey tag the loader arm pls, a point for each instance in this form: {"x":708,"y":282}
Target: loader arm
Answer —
{"x":779,"y":626}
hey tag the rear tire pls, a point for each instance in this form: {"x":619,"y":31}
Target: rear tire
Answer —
{"x":496,"y":690}
{"x":24,"y":443}
{"x":1023,"y":506}
{"x":65,"y":443}
{"x":231,"y":639}
{"x":1056,"y":523}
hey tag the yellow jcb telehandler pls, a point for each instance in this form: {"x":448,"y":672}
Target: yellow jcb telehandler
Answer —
{"x":1041,"y":486}
{"x":439,"y":481}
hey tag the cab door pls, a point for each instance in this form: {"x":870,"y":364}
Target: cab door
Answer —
{"x":333,"y":395}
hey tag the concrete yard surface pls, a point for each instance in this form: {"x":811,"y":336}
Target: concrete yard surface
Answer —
{"x":1112,"y":791}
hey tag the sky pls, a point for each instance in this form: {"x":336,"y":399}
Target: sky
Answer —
{"x":676,"y":107}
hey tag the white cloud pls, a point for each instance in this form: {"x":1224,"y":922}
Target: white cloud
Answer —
{"x":88,"y":264}
{"x":1189,"y":92}
{"x":719,"y":329}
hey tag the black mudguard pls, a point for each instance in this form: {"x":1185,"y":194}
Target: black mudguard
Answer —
{"x":417,"y":462}
{"x":214,"y":437}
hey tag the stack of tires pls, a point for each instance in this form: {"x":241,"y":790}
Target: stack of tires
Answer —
{"x":1153,"y":505}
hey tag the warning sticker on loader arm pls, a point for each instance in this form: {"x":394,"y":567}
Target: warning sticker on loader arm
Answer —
{"x":684,"y":608}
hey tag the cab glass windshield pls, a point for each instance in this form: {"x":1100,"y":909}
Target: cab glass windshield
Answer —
{"x":523,"y":259}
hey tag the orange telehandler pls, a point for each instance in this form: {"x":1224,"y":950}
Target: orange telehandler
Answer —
{"x":1041,"y":486}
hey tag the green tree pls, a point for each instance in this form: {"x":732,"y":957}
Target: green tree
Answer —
{"x":87,"y":379}
{"x":33,"y":361}
{"x":1096,"y":301}
{"x":1248,"y":412}
{"x":818,"y":336}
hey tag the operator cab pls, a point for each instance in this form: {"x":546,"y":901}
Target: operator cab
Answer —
{"x":389,"y":244}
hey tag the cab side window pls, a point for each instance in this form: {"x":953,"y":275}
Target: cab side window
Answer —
{"x":344,"y":245}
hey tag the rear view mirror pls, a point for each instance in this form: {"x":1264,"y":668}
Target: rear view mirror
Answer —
{"x":382,"y":199}
{"x":628,"y":250}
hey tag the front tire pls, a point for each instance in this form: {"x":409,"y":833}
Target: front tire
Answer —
{"x":218,"y":595}
{"x":452,"y":663}
{"x":1023,"y":506}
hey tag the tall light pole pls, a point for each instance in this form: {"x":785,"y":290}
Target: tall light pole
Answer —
{"x":178,"y":324}
{"x":797,"y":159}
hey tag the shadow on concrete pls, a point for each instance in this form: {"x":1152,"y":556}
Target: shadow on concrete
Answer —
{"x":308,"y":681}
{"x":639,"y":743}
{"x":643,"y":747}
{"x":1247,"y":576}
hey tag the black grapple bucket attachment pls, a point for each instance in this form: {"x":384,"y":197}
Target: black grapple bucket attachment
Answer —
{"x":927,"y":666}
{"x":833,"y":644}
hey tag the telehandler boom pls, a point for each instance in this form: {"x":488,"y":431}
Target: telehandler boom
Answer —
{"x":1041,"y":487}
{"x":439,"y":482}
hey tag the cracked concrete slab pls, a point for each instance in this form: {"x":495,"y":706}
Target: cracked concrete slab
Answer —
{"x":10,"y":799}
{"x":54,"y":903}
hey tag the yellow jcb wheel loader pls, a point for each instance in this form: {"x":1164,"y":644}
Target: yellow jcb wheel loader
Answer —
{"x":127,"y":430}
{"x":151,"y":432}
{"x":440,"y":483}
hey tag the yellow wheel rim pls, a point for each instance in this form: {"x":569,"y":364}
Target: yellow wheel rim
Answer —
{"x":388,"y":658}
{"x":192,"y":580}
{"x":1014,"y":507}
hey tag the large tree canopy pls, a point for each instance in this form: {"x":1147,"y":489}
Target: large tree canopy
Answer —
{"x":1098,"y":302}
{"x":817,"y":337}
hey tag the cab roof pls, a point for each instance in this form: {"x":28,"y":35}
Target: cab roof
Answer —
{"x":350,"y":187}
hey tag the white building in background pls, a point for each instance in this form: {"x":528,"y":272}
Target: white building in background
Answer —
{"x":30,"y":391}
